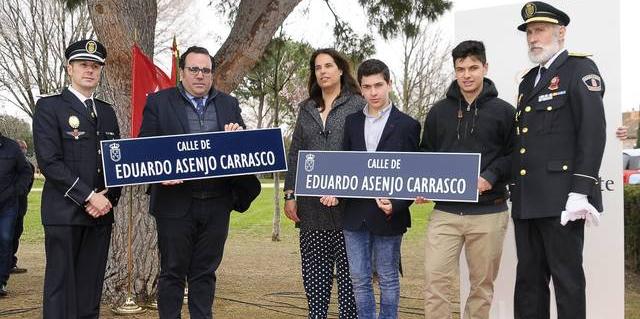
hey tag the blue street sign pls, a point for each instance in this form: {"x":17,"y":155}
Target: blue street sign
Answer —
{"x":192,"y":156}
{"x":435,"y":176}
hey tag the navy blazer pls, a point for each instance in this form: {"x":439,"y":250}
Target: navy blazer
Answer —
{"x":165,"y":114}
{"x":66,"y":141}
{"x":560,"y":138}
{"x":400,"y":134}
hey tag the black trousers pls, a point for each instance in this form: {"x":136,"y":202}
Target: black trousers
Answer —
{"x":322,"y":251}
{"x":191,"y":247}
{"x":74,"y":273}
{"x":547,"y":250}
{"x":19,"y":227}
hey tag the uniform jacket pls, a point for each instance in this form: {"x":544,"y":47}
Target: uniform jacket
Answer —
{"x":15,"y":171}
{"x":310,"y":134}
{"x":66,"y":141}
{"x":400,"y":134}
{"x":486,"y":127}
{"x":560,"y":137}
{"x":165,"y":114}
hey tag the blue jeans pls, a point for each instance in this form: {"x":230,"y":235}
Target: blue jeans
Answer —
{"x":366,"y":252}
{"x":8,"y":213}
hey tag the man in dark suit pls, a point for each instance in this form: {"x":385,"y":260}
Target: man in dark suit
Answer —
{"x":192,"y":217}
{"x":560,"y":139}
{"x":22,"y":211}
{"x":14,"y":179}
{"x":76,"y":207}
{"x":373,"y":228}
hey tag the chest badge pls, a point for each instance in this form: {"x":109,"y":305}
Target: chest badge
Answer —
{"x":74,"y":122}
{"x":75,"y":133}
{"x":554,"y":83}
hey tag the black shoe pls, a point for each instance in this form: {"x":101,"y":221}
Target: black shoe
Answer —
{"x":18,"y":270}
{"x":3,"y":291}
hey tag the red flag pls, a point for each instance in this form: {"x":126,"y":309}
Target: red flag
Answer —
{"x":175,"y":56}
{"x":146,"y":78}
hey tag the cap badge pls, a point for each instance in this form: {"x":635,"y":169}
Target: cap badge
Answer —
{"x":74,"y":121}
{"x":529,"y":9}
{"x":91,"y":47}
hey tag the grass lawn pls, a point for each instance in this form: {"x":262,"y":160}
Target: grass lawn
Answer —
{"x":256,"y":225}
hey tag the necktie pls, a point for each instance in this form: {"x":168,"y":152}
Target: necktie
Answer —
{"x":541,"y":71}
{"x":199,"y":105}
{"x":90,"y":108}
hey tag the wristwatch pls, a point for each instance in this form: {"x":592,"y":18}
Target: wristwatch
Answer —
{"x":289,"y":196}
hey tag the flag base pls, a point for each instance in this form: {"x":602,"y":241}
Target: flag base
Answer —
{"x":129,"y":307}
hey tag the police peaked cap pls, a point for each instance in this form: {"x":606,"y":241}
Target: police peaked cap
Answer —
{"x":86,"y":50}
{"x":538,"y":11}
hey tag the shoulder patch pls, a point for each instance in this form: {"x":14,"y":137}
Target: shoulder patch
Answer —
{"x":50,"y":94}
{"x":580,"y":54}
{"x":593,"y":82}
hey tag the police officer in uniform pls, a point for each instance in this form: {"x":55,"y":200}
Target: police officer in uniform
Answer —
{"x":76,"y":207}
{"x":560,"y":127}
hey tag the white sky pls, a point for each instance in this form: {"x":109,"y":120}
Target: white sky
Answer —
{"x":312,"y":22}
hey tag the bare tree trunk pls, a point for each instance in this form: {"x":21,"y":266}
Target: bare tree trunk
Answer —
{"x":118,"y":24}
{"x":253,"y":28}
{"x":275,"y":235}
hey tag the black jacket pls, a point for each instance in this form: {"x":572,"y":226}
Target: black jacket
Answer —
{"x":486,"y":127}
{"x":560,"y":137}
{"x":15,"y":171}
{"x":400,"y":134}
{"x":66,"y":141}
{"x":165,"y":114}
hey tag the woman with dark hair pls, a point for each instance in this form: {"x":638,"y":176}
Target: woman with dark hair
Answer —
{"x":333,"y":94}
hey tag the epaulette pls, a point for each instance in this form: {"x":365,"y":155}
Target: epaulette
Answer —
{"x":580,"y":54}
{"x":49,"y":94}
{"x":103,"y":101}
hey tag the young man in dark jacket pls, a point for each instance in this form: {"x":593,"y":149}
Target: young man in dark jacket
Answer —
{"x":471,"y":119}
{"x":373,"y":228}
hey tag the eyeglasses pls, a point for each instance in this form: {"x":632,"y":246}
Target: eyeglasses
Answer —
{"x":195,"y":70}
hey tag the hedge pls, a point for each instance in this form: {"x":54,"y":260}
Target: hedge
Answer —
{"x":632,"y":227}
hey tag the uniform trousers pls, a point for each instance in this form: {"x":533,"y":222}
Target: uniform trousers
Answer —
{"x":322,"y":251}
{"x":546,"y":249}
{"x":74,"y":272}
{"x":191,"y":247}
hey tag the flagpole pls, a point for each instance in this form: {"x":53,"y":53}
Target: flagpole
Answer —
{"x":129,"y":307}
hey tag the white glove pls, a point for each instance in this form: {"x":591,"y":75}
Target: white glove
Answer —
{"x":578,"y":207}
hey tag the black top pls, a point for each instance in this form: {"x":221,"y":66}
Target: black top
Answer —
{"x":401,"y":133}
{"x":486,"y":127}
{"x":165,"y":113}
{"x":15,"y":171}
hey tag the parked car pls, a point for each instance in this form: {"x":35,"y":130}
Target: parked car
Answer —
{"x":631,"y":166}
